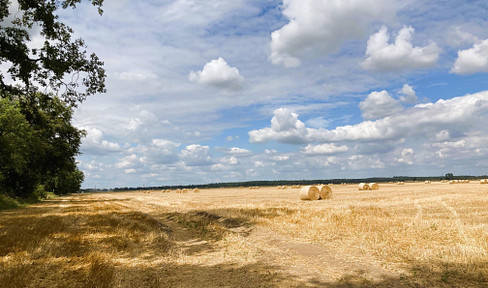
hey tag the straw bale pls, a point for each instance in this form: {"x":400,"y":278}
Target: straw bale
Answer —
{"x":373,"y":186}
{"x":363,"y":186}
{"x":309,"y":193}
{"x":324,"y":192}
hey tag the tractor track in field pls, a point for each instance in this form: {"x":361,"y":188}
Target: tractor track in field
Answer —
{"x":310,"y":261}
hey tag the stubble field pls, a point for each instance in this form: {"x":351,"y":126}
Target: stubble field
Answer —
{"x":415,"y":235}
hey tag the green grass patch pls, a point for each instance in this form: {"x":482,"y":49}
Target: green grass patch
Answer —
{"x":7,"y":202}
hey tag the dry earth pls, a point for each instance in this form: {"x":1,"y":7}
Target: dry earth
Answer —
{"x":416,"y":235}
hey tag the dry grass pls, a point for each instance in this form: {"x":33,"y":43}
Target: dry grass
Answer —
{"x":414,"y":235}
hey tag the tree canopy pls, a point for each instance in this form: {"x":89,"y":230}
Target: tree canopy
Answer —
{"x":38,"y":143}
{"x":61,"y":65}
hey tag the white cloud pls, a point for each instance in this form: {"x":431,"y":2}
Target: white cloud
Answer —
{"x":129,"y":161}
{"x":284,"y":123}
{"x":327,"y":148}
{"x":457,"y":37}
{"x":219,"y":74}
{"x":400,"y":55}
{"x":406,"y":156}
{"x":320,"y":27}
{"x":409,"y":95}
{"x":238,"y":151}
{"x":196,"y":155}
{"x":460,"y":114}
{"x":472,"y":60}
{"x":379,"y":105}
{"x":93,"y":142}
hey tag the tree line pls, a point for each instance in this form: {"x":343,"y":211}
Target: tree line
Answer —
{"x":271,"y":183}
{"x":39,"y":89}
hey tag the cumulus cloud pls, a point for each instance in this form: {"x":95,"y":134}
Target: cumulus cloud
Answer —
{"x":409,"y":95}
{"x":318,"y":27}
{"x":472,"y":60}
{"x":95,"y":144}
{"x":400,"y":55}
{"x":219,"y":74}
{"x":460,"y":115}
{"x":238,"y":151}
{"x":327,"y":148}
{"x":406,"y":156}
{"x":284,"y":123}
{"x":196,"y":155}
{"x":159,"y":151}
{"x":130,"y":162}
{"x":379,"y":105}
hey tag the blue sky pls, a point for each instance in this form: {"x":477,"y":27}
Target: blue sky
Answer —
{"x":206,"y":91}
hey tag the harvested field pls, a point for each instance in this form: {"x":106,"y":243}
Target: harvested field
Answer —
{"x":414,"y":235}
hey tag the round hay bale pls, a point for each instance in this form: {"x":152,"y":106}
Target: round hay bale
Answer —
{"x":196,"y":190}
{"x":324,"y":192}
{"x":483,"y":181}
{"x":373,"y":186}
{"x":363,"y":186}
{"x":309,"y":193}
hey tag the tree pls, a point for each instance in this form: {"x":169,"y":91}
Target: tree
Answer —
{"x":38,"y":144}
{"x":15,"y":149}
{"x":449,"y":176}
{"x":59,"y":64}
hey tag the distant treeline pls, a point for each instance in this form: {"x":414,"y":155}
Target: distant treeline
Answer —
{"x":448,"y":176}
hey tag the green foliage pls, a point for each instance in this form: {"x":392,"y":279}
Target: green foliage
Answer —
{"x":60,"y":58}
{"x":7,"y":202}
{"x":38,"y":146}
{"x":449,"y":176}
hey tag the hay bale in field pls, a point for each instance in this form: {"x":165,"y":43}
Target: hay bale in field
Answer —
{"x":363,"y":186}
{"x":309,"y":193}
{"x":427,"y":182}
{"x":196,"y":190}
{"x":373,"y":186}
{"x":484,"y":181}
{"x":400,"y":183}
{"x":184,"y":191}
{"x":324,"y":192}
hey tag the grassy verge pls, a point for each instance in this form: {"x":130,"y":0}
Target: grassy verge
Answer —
{"x":7,"y":202}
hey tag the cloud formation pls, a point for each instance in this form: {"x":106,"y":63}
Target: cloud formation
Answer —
{"x":318,"y":27}
{"x":324,"y":149}
{"x":472,"y":60}
{"x":379,"y":105}
{"x":196,"y":155}
{"x":459,"y":115}
{"x":400,"y":55}
{"x":409,"y":95}
{"x":219,"y":74}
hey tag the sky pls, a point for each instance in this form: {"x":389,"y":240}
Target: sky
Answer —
{"x":207,"y":91}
